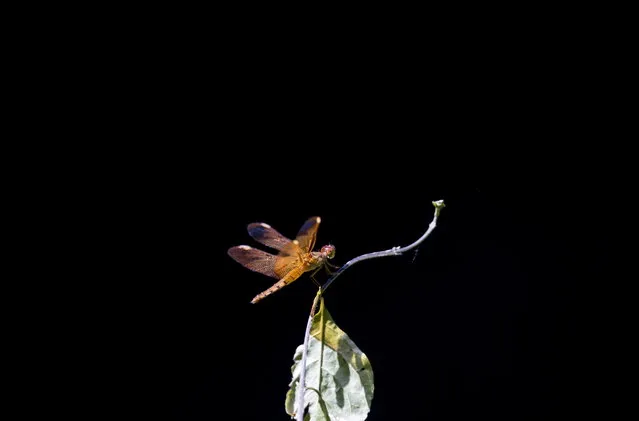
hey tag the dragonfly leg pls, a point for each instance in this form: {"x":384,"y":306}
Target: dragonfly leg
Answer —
{"x":331,"y":265}
{"x":328,"y":271}
{"x":313,"y":278}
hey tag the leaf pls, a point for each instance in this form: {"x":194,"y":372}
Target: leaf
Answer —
{"x":339,"y":377}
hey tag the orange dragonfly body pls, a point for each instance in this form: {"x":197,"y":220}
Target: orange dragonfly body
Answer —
{"x":295,"y":256}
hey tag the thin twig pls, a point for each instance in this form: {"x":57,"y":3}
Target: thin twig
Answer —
{"x":395,"y":251}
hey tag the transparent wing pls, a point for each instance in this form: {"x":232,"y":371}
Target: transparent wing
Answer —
{"x":305,"y":238}
{"x":286,"y":263}
{"x":268,"y":236}
{"x":255,"y":260}
{"x":262,"y":262}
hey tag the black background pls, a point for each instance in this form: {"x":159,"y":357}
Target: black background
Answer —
{"x":484,"y":320}
{"x":190,"y":129}
{"x":487,"y":320}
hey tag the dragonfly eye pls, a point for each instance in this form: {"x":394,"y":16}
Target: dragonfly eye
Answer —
{"x":329,"y":250}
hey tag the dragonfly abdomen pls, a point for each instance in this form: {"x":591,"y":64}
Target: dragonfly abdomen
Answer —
{"x":287,"y":279}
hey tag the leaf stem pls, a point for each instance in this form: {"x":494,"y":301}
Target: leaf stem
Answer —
{"x":395,"y":251}
{"x":301,"y":389}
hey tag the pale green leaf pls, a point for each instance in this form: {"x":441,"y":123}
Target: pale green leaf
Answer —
{"x":339,"y":377}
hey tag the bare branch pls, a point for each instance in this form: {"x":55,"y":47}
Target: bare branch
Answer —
{"x":395,"y":251}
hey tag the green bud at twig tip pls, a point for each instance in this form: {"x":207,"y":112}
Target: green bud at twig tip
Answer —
{"x":439,"y":205}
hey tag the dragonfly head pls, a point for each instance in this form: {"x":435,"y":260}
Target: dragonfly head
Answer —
{"x":329,"y":251}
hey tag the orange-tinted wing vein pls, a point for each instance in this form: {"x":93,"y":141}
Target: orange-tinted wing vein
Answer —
{"x":285,"y":264}
{"x":262,"y":262}
{"x":255,"y":260}
{"x":268,"y":236}
{"x":305,"y":238}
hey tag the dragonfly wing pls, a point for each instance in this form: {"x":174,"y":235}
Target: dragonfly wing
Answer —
{"x":305,"y":239}
{"x":286,"y":263}
{"x":268,"y":236}
{"x":255,"y":260}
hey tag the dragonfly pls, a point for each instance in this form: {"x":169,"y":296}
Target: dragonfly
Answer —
{"x":295,"y":257}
